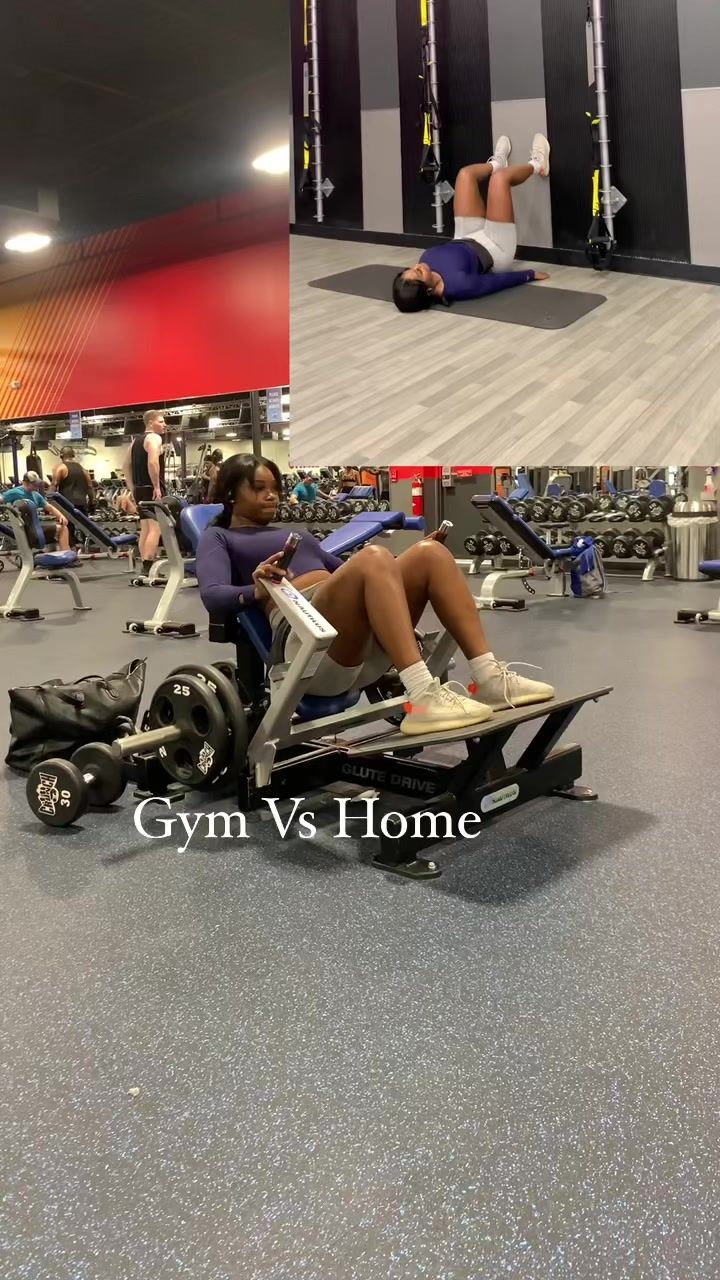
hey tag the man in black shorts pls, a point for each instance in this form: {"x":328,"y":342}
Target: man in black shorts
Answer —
{"x":145,"y":473}
{"x":73,"y":482}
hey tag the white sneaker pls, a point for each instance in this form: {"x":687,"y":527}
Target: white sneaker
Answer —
{"x":500,"y":157}
{"x":540,"y":154}
{"x":504,"y":688}
{"x":443,"y":709}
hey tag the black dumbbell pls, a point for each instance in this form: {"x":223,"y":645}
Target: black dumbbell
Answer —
{"x":604,"y":542}
{"x":621,"y":501}
{"x":622,"y":545}
{"x":540,"y":510}
{"x":646,"y":544}
{"x":61,"y":791}
{"x":659,"y":508}
{"x":523,"y":507}
{"x":507,"y":548}
{"x":471,"y":545}
{"x":307,"y":511}
{"x":558,"y":509}
{"x":638,"y":507}
{"x":490,"y":545}
{"x":579,"y":506}
{"x":605,"y":502}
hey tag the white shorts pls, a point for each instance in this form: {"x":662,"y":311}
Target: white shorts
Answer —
{"x":499,"y":238}
{"x":330,"y":679}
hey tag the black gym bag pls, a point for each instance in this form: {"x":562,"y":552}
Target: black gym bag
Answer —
{"x":55,"y":718}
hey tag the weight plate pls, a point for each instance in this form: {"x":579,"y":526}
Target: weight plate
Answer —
{"x":56,"y":793}
{"x":99,"y":759}
{"x":221,"y":678}
{"x":201,"y":752}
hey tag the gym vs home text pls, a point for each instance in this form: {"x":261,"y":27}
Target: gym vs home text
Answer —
{"x":357,"y":819}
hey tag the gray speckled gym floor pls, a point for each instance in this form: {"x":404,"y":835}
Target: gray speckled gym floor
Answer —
{"x":511,"y":1072}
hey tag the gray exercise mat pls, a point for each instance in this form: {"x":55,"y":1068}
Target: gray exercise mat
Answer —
{"x":534,"y":305}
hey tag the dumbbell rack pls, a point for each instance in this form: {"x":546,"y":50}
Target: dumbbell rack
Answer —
{"x":561,"y":533}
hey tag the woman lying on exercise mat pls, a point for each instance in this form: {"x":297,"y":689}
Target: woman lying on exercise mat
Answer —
{"x":479,"y":260}
{"x":374,"y":601}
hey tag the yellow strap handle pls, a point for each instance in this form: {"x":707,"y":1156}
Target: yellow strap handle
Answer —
{"x":596,"y":193}
{"x":423,"y":13}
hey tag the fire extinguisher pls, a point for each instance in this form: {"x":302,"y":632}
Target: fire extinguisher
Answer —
{"x":418,"y":501}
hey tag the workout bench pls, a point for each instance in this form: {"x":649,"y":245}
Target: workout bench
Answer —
{"x":553,"y":560}
{"x":180,"y":574}
{"x":38,"y":565}
{"x":110,"y":548}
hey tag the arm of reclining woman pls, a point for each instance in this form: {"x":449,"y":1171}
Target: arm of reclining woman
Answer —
{"x":214,"y":574}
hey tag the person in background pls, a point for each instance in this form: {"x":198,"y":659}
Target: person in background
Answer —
{"x":349,"y":479}
{"x":145,"y":475}
{"x":212,"y":468}
{"x":29,"y":491}
{"x":306,"y":490}
{"x":72,"y":480}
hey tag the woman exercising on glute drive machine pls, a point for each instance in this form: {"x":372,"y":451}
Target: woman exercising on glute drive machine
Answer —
{"x":479,"y":260}
{"x":374,"y":602}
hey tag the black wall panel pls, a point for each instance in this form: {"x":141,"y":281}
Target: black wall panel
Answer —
{"x":417,"y":195}
{"x":646,"y":125}
{"x":467,"y":91}
{"x":464,"y":100}
{"x":340,"y":108}
{"x":649,"y":150}
{"x":567,"y":100}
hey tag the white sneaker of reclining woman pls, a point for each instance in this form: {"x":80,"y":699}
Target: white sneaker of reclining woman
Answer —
{"x":441,"y":708}
{"x":495,"y":685}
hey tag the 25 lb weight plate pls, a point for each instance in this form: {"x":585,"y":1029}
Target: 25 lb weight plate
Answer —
{"x":188,"y":702}
{"x":221,"y":679}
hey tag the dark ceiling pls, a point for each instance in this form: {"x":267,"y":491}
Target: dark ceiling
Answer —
{"x":133,"y":108}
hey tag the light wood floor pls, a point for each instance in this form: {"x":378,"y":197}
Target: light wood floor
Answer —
{"x":635,"y":383}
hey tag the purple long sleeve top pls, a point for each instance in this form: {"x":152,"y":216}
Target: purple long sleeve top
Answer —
{"x":227,"y":558}
{"x":463,"y":275}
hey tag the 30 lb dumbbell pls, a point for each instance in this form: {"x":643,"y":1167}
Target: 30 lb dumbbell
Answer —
{"x":187,"y":728}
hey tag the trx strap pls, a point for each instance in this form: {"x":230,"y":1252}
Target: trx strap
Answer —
{"x":312,"y":167}
{"x":430,"y":165}
{"x":429,"y":162}
{"x":606,"y":199}
{"x":600,"y":245}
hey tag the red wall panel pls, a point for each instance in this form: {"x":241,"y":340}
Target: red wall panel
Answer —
{"x":192,"y":305}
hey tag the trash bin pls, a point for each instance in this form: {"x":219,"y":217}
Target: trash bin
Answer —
{"x":691,"y":538}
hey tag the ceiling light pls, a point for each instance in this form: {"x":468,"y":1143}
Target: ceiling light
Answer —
{"x":276,"y":161}
{"x":28,"y":242}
